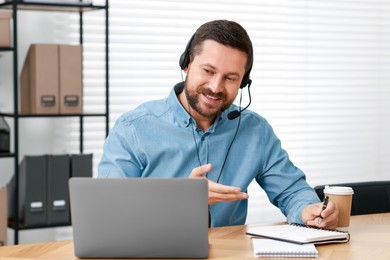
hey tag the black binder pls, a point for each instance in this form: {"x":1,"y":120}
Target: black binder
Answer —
{"x":44,"y":190}
{"x":58,"y":173}
{"x":32,"y":192}
{"x":81,"y":165}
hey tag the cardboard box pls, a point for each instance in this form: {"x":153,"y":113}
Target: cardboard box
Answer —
{"x":51,"y":80}
{"x":3,"y":216}
{"x":5,"y":29}
{"x":39,"y":80}
{"x":70,"y":79}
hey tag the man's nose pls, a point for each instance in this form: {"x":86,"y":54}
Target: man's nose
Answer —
{"x":216,"y":84}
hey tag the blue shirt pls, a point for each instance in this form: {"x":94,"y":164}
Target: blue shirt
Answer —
{"x":157,"y":140}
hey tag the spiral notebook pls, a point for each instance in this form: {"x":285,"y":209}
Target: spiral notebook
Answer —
{"x":300,"y":234}
{"x":274,"y":248}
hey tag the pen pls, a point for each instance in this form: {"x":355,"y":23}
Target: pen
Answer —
{"x":324,"y":205}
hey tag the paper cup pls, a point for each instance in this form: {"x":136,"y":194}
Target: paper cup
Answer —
{"x":342,"y":197}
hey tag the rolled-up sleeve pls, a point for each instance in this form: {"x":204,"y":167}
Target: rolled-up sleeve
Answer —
{"x":284,"y":183}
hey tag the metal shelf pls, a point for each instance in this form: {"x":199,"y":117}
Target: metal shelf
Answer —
{"x":6,"y":48}
{"x":46,"y":5}
{"x":7,"y":155}
{"x":12,"y":115}
{"x":52,"y":7}
{"x":11,"y":225}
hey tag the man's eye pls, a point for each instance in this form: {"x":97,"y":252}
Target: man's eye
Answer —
{"x":231,"y":79}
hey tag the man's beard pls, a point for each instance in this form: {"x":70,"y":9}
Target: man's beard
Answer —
{"x":194,"y":103}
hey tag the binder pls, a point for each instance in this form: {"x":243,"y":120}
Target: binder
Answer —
{"x":57,"y":190}
{"x":44,"y":190}
{"x":39,"y":80}
{"x":32,"y":192}
{"x":3,"y":216}
{"x":81,"y":165}
{"x":4,"y":136}
{"x":70,"y":79}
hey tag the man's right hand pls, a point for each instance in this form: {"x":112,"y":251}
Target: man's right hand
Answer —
{"x":218,"y":192}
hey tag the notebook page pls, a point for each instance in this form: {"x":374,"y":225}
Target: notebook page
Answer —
{"x":276,"y":248}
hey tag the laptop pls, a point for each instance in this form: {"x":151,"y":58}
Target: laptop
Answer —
{"x":139,"y":217}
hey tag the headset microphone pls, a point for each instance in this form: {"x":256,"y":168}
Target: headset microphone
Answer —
{"x":236,"y":113}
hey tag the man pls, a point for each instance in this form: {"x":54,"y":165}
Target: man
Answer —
{"x":198,"y":132}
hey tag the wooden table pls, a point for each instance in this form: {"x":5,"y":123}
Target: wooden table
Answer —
{"x":370,"y":240}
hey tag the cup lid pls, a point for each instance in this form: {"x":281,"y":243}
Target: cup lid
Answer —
{"x":340,"y":190}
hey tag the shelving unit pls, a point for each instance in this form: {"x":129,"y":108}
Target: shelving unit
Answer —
{"x":80,"y":8}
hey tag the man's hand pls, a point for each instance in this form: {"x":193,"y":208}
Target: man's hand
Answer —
{"x":218,"y":192}
{"x":313,"y":215}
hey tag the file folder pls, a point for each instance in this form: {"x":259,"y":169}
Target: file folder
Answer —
{"x":70,"y":79}
{"x":3,"y":216}
{"x":58,"y":193}
{"x":44,"y":190}
{"x":5,"y":29}
{"x":32,"y":209}
{"x":81,"y":165}
{"x":39,"y":80}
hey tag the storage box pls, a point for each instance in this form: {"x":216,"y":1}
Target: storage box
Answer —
{"x":5,"y":29}
{"x":43,"y":194}
{"x":70,"y":81}
{"x":3,"y":216}
{"x":51,"y":80}
{"x":32,"y":187}
{"x":39,"y":80}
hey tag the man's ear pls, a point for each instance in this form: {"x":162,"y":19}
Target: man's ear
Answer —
{"x":187,"y":68}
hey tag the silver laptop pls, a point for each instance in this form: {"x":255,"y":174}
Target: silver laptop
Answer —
{"x":139,"y":217}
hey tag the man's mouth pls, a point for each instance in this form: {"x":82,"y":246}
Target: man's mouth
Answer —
{"x":211,"y":100}
{"x":211,"y":97}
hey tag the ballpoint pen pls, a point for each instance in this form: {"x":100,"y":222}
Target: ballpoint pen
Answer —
{"x":324,"y":205}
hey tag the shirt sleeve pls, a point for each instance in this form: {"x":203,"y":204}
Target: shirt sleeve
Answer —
{"x":284,"y":183}
{"x":120,"y":157}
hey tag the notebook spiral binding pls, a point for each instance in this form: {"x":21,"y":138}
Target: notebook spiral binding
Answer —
{"x":314,"y":227}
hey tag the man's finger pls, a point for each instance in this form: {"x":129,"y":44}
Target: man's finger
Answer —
{"x":223,"y":189}
{"x":219,"y":197}
{"x":200,"y":171}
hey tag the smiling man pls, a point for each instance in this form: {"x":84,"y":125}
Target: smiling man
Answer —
{"x":193,"y":132}
{"x":214,"y":81}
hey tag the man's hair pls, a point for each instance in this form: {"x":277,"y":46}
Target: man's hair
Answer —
{"x":228,"y":33}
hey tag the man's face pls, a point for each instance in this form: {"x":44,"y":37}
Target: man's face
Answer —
{"x":213,"y":79}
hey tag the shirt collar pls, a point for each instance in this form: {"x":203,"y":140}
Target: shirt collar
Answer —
{"x":179,"y":113}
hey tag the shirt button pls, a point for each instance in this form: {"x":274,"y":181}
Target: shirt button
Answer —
{"x":202,"y":138}
{"x":185,"y":122}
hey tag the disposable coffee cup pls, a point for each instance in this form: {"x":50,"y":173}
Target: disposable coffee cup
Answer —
{"x":342,"y":197}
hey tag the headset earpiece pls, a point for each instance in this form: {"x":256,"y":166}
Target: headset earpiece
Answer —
{"x":245,"y":80}
{"x":185,"y":56}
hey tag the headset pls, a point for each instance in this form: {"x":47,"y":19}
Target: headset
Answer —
{"x":185,"y":60}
